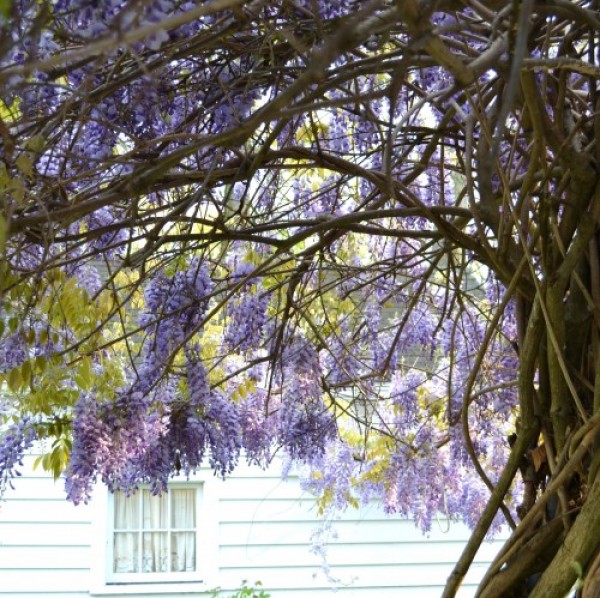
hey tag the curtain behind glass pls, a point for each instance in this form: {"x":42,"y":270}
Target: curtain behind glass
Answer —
{"x":142,"y":528}
{"x":155,"y":511}
{"x":183,"y":543}
{"x":127,"y":517}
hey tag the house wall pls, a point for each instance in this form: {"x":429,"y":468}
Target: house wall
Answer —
{"x":262,"y":531}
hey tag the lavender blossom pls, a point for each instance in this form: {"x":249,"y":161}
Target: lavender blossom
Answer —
{"x":14,"y":443}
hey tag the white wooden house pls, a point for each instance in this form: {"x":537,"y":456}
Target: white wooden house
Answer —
{"x":212,"y":534}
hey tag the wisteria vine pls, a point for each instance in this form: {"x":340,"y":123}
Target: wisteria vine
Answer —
{"x":363,"y":235}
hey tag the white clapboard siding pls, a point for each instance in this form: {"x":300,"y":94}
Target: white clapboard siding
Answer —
{"x":263,"y":529}
{"x":44,"y":541}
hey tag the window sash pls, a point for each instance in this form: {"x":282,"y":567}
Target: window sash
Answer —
{"x":154,"y":539}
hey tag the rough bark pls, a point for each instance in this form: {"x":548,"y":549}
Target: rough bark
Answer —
{"x":580,"y":544}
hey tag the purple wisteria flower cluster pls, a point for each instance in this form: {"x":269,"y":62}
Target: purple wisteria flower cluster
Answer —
{"x":140,"y":435}
{"x":305,"y":424}
{"x":247,"y":314}
{"x":17,"y":439}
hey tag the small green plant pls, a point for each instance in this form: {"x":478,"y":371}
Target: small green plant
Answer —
{"x":245,"y":591}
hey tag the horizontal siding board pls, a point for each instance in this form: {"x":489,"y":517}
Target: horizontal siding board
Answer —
{"x":34,"y":488}
{"x":304,"y":510}
{"x":355,"y":555}
{"x":42,"y":511}
{"x":45,"y":534}
{"x":258,"y":488}
{"x":366,"y":592}
{"x":352,"y":532}
{"x":44,"y":580}
{"x":121,"y":593}
{"x":267,"y":556}
{"x":263,"y":533}
{"x":398,"y":576}
{"x":28,"y":471}
{"x":373,"y":592}
{"x":44,"y":557}
{"x":270,"y":508}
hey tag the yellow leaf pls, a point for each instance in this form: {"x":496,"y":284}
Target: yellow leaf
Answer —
{"x":538,"y":456}
{"x":10,"y":113}
{"x":105,"y":302}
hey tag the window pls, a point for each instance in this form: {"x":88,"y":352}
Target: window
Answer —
{"x":154,"y":534}
{"x":146,"y":545}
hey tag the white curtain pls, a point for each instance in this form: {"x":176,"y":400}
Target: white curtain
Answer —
{"x":127,"y":517}
{"x":183,"y":516}
{"x":155,"y":555}
{"x":155,"y":534}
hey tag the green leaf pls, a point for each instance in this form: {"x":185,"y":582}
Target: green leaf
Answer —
{"x":13,"y":324}
{"x":36,"y":143}
{"x":83,"y":377}
{"x":57,"y":460}
{"x":26,"y":372}
{"x":3,"y":233}
{"x":14,"y":379}
{"x":25,"y":164}
{"x":40,"y":363}
{"x":5,"y":8}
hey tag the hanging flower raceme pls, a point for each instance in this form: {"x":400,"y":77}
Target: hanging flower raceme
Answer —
{"x":305,"y":422}
{"x":174,"y":308}
{"x":15,"y":442}
{"x":208,"y":421}
{"x":247,"y":313}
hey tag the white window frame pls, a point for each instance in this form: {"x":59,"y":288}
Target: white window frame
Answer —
{"x":114,"y":577}
{"x":106,"y":582}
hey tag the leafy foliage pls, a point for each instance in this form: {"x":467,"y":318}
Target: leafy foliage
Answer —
{"x":247,"y":591}
{"x":362,"y":234}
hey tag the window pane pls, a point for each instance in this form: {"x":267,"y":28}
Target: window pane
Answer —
{"x":155,"y":556}
{"x":127,"y":511}
{"x":155,"y":534}
{"x":126,"y":552}
{"x":156,"y":511}
{"x":183,"y":551}
{"x":183,"y":509}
